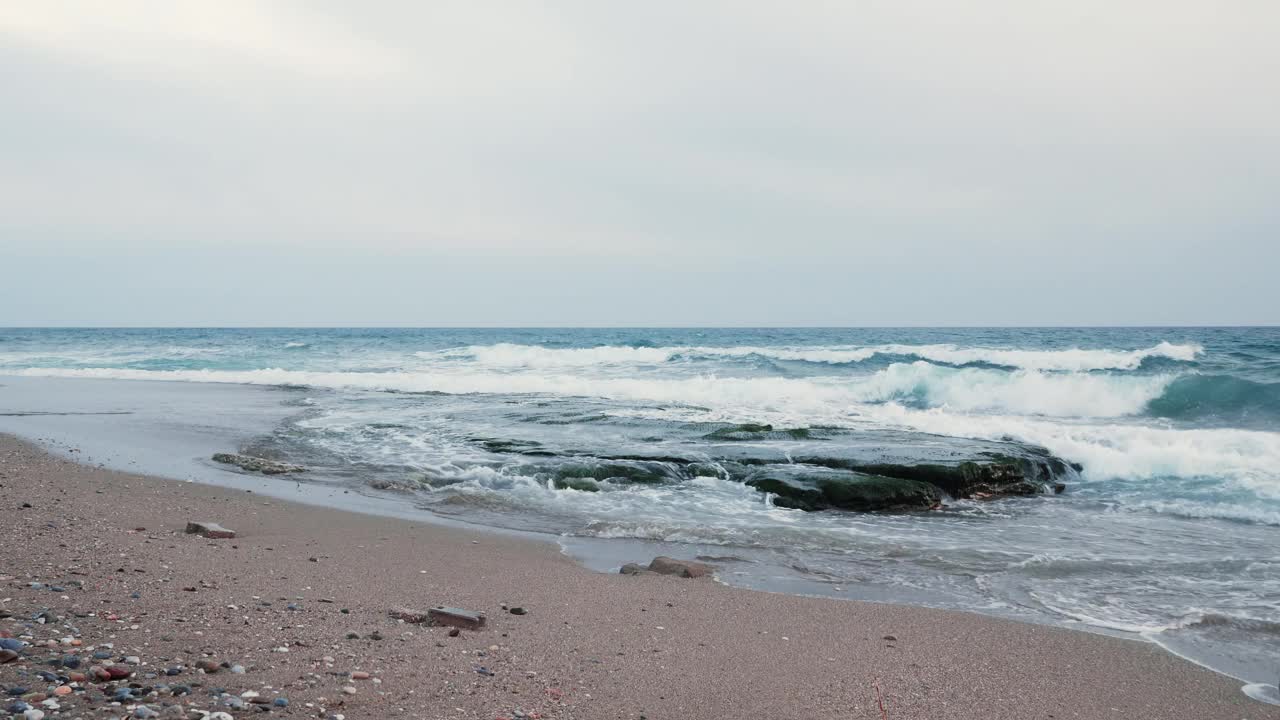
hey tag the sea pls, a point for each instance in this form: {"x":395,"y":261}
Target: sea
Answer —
{"x":1168,"y":533}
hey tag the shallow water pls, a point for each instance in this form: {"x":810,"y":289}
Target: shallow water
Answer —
{"x":1169,"y":531}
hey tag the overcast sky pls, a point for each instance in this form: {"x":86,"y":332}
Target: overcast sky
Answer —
{"x":670,"y":163}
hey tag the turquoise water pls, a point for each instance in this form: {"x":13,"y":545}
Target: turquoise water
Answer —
{"x":1170,"y":530}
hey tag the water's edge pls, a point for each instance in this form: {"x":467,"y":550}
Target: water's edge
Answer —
{"x":88,"y":425}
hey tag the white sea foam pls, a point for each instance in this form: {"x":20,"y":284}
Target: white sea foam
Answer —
{"x":807,"y":399}
{"x":508,"y":355}
{"x":1246,"y":460}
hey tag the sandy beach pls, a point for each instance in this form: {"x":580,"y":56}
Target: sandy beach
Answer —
{"x":104,"y":555}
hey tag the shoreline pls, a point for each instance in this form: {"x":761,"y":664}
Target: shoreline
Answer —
{"x":592,"y":645}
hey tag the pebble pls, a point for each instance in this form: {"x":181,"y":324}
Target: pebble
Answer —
{"x":11,"y":644}
{"x":17,"y":707}
{"x":33,"y":714}
{"x":133,"y":660}
{"x":280,"y":702}
{"x":359,"y":675}
{"x":237,"y":669}
{"x":102,"y":655}
{"x":219,"y":716}
{"x":175,"y":670}
{"x":7,"y":656}
{"x":349,"y":690}
{"x":518,"y":611}
{"x":142,"y":711}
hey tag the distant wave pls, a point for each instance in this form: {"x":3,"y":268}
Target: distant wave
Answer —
{"x":512,"y":356}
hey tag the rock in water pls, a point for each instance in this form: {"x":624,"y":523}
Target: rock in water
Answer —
{"x":256,"y":464}
{"x":679,"y":568}
{"x":210,"y":530}
{"x":817,"y":488}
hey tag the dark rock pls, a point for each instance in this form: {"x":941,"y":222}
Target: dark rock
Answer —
{"x":255,"y":464}
{"x":518,"y":611}
{"x":633,"y":569}
{"x":119,"y":672}
{"x":209,"y":530}
{"x":679,"y":568}
{"x":11,"y":644}
{"x":824,"y":489}
{"x":454,"y":632}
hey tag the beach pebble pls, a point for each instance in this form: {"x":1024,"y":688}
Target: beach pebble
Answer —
{"x":11,"y":644}
{"x":237,"y":669}
{"x":359,"y":675}
{"x":33,"y":714}
{"x":349,"y":690}
{"x":219,"y":716}
{"x":133,"y":660}
{"x":142,"y":711}
{"x":7,"y":656}
{"x":280,"y":702}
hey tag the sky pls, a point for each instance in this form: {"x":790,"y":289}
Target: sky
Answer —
{"x":319,"y":162}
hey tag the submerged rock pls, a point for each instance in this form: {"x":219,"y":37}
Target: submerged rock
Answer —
{"x":257,"y":464}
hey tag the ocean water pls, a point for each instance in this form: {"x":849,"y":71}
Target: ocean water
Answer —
{"x":609,"y":438}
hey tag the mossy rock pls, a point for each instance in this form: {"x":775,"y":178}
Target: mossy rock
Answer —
{"x":847,"y":491}
{"x":642,"y":474}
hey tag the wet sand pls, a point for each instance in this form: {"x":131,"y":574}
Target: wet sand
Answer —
{"x":303,"y":578}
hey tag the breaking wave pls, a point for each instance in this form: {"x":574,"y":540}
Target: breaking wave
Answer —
{"x":826,"y":399}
